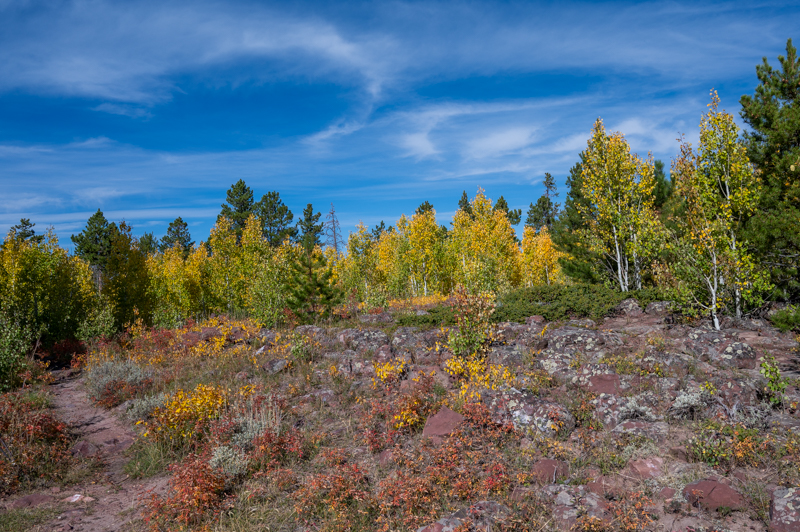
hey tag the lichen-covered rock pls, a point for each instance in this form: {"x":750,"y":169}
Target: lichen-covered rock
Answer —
{"x":656,"y":431}
{"x":528,"y":412}
{"x":407,"y":339}
{"x":569,"y":502}
{"x":363,"y":340}
{"x":721,"y":349}
{"x":658,"y":307}
{"x":784,"y":510}
{"x":483,"y":515}
{"x":507,"y":355}
{"x":549,"y":471}
{"x":571,"y":339}
{"x":630,"y":308}
{"x":382,"y":318}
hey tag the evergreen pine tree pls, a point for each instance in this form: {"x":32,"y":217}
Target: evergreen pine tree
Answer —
{"x":276,"y":219}
{"x":93,"y":244}
{"x":311,"y":293}
{"x":580,"y":264}
{"x":239,"y":206}
{"x":24,"y":231}
{"x":464,"y":204}
{"x":514,"y":215}
{"x":424,"y":207}
{"x":378,"y":230}
{"x":148,"y":243}
{"x":664,"y":186}
{"x":309,"y":228}
{"x":125,"y":278}
{"x":177,"y":235}
{"x":773,"y":114}
{"x":544,"y":212}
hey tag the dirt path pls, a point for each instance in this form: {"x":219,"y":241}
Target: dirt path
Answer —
{"x":100,"y":433}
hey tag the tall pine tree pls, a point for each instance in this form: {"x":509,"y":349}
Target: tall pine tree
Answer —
{"x":276,"y":219}
{"x":514,"y":215}
{"x":239,"y":206}
{"x":93,"y":244}
{"x":312,"y":294}
{"x":24,"y":231}
{"x":773,"y":146}
{"x":545,"y":211}
{"x":177,"y":235}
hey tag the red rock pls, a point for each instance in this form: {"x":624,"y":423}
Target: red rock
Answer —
{"x":605,"y":383}
{"x":550,"y":471}
{"x":29,"y":501}
{"x":534,"y":319}
{"x":667,"y":493}
{"x":443,"y":423}
{"x":712,"y":494}
{"x":647,"y":467}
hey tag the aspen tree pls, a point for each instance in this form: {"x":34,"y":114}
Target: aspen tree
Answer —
{"x":619,"y":188}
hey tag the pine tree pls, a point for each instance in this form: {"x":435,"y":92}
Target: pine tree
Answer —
{"x":333,"y":231}
{"x":464,"y":204}
{"x":309,"y":228}
{"x":580,"y":260}
{"x":276,"y":219}
{"x":239,"y":206}
{"x":424,"y":207}
{"x":93,"y":244}
{"x":311,"y":293}
{"x":24,"y":231}
{"x":664,"y":186}
{"x":378,"y":230}
{"x":177,"y":236}
{"x":148,"y":243}
{"x":514,"y":215}
{"x":773,"y":146}
{"x":545,"y":211}
{"x":125,"y":278}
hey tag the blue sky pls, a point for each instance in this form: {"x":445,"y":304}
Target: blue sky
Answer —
{"x":151,"y":110}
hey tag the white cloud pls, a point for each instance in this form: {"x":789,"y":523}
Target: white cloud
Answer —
{"x":499,"y":142}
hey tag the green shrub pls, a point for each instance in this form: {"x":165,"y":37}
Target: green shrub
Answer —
{"x":560,"y":302}
{"x":787,"y":319}
{"x":15,"y":340}
{"x":435,"y":317}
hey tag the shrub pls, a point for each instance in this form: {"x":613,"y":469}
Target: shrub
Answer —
{"x":442,"y":315}
{"x":728,"y":445}
{"x":113,"y":382}
{"x":15,"y":340}
{"x":473,"y":313}
{"x":787,"y":319}
{"x":34,"y":446}
{"x":142,"y":408}
{"x":776,"y":385}
{"x":560,"y":302}
{"x":184,"y":418}
{"x":196,"y":491}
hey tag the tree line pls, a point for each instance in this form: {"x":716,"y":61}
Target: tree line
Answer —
{"x":720,"y":234}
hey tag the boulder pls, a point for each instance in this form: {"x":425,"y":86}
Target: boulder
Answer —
{"x":784,"y":510}
{"x":629,"y":307}
{"x":647,"y":467}
{"x":721,"y":349}
{"x":528,"y":412}
{"x":363,"y":340}
{"x":712,"y":495}
{"x":657,"y":307}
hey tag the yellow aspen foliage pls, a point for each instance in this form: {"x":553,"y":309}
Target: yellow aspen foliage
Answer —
{"x":540,"y":258}
{"x":720,"y":188}
{"x":43,"y":289}
{"x":176,"y":284}
{"x":355,"y":271}
{"x":423,"y":252}
{"x":619,"y":186}
{"x":392,"y":270}
{"x":484,"y":248}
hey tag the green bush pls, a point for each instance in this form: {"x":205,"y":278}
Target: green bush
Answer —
{"x":15,"y":340}
{"x":787,"y":319}
{"x":560,"y":302}
{"x":436,"y":317}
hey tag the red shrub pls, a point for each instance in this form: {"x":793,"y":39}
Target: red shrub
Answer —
{"x":196,"y":492}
